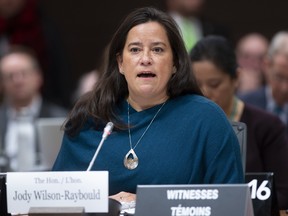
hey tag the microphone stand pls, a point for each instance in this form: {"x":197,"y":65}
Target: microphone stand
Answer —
{"x":107,"y":131}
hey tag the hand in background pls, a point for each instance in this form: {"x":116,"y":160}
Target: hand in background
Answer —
{"x":124,"y":197}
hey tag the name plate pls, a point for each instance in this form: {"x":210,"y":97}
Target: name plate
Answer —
{"x":193,"y":200}
{"x":57,"y":189}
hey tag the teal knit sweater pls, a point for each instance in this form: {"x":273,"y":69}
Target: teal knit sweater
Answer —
{"x":189,"y":142}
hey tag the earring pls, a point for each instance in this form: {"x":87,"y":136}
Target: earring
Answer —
{"x":174,"y":70}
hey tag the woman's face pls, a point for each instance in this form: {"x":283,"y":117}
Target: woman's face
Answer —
{"x":147,"y":61}
{"x":215,"y":84}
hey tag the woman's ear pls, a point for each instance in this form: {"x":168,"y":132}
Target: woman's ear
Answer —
{"x":120,"y":63}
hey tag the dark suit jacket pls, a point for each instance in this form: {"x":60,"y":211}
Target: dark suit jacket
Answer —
{"x":47,"y":109}
{"x":256,"y":98}
{"x":267,"y":148}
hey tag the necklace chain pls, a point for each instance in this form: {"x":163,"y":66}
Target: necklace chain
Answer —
{"x":130,"y":140}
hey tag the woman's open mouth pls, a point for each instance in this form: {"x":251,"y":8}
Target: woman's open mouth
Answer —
{"x":146,"y":75}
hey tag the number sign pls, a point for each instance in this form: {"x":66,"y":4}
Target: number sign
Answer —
{"x":263,"y":194}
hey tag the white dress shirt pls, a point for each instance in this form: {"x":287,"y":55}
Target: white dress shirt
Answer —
{"x":20,"y":139}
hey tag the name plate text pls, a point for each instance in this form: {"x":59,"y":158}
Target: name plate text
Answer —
{"x":57,"y":189}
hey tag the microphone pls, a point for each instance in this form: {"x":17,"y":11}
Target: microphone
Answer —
{"x":107,"y":131}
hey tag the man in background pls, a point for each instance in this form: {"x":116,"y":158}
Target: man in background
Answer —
{"x":251,"y":51}
{"x":21,"y":80}
{"x":274,"y":95}
{"x":187,"y":14}
{"x":25,"y":23}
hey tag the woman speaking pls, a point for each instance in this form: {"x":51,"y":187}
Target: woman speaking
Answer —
{"x":165,"y":131}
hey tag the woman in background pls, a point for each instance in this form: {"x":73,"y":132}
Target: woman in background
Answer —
{"x":216,"y":71}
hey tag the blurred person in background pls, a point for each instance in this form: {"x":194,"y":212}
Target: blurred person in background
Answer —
{"x":24,"y":22}
{"x":251,"y":51}
{"x":215,"y":67}
{"x":88,"y":80}
{"x":273,"y":97}
{"x":21,"y":79}
{"x":193,"y":26}
{"x":86,"y":84}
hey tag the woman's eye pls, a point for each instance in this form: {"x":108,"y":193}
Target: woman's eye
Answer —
{"x":158,"y":49}
{"x":134,"y":49}
{"x":214,"y":85}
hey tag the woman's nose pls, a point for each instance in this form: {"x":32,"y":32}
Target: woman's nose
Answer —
{"x":146,"y":58}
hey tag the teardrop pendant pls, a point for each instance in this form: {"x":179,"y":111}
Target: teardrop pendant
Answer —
{"x":131,"y":160}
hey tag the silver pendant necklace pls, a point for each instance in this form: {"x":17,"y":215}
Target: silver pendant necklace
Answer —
{"x":131,"y":160}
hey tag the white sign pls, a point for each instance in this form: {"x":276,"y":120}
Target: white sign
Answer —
{"x":57,"y":189}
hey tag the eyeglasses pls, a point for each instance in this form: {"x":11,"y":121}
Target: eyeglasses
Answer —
{"x":21,"y":74}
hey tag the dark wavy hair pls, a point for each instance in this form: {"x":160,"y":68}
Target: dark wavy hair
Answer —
{"x":217,"y":50}
{"x":111,"y":88}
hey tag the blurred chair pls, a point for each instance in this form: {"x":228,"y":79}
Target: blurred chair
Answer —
{"x":240,"y":130}
{"x":50,"y":137}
